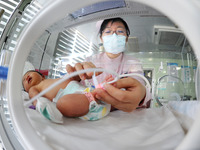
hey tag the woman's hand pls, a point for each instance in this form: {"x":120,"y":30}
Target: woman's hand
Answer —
{"x":81,"y":66}
{"x":125,"y":100}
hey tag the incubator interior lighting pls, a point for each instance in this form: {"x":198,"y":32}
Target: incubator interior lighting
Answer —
{"x":102,"y":6}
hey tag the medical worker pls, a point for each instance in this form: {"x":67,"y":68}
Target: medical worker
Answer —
{"x":114,"y":35}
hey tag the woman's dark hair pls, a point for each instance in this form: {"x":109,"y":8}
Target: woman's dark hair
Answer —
{"x":112,"y":20}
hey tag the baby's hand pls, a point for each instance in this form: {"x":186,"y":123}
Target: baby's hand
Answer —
{"x":107,"y":79}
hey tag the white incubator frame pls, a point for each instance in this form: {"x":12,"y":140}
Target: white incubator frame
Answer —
{"x":53,"y":11}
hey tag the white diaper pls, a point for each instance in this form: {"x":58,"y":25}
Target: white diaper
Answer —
{"x":72,"y":87}
{"x":96,"y":110}
{"x":49,"y":110}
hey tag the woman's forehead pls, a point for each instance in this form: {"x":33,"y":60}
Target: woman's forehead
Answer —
{"x":117,"y":24}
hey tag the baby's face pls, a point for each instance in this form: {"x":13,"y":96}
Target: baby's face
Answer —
{"x":31,"y":79}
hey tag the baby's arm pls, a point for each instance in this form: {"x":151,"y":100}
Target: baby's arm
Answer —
{"x":73,"y":105}
{"x":33,"y":92}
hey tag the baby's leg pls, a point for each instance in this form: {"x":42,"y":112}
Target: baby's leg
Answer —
{"x":73,"y":105}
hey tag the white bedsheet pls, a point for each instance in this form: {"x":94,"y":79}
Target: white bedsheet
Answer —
{"x":144,"y":129}
{"x":188,"y":108}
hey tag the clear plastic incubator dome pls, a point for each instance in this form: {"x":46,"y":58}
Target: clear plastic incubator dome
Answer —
{"x":161,"y":54}
{"x":169,"y":88}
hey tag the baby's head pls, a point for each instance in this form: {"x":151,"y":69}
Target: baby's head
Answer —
{"x":31,"y":78}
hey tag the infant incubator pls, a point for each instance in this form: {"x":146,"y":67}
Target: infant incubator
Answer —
{"x":47,"y":35}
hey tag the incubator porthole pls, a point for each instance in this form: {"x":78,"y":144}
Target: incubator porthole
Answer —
{"x":59,"y":34}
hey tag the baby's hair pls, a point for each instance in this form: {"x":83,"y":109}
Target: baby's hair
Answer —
{"x":34,"y":71}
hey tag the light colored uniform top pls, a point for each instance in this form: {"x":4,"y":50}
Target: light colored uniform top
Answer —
{"x":123,"y":64}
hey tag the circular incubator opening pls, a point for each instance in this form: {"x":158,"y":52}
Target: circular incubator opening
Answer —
{"x":157,"y":45}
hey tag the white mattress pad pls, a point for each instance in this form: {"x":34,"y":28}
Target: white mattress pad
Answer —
{"x":143,"y":129}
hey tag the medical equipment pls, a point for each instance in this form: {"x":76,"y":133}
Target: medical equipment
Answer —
{"x":186,"y":74}
{"x":3,"y":72}
{"x":56,"y":10}
{"x":175,"y":92}
{"x":171,"y":70}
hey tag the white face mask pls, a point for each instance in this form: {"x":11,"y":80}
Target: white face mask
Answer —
{"x":114,"y":44}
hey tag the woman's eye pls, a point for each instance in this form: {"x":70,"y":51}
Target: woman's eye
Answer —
{"x":107,"y":31}
{"x":120,"y":31}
